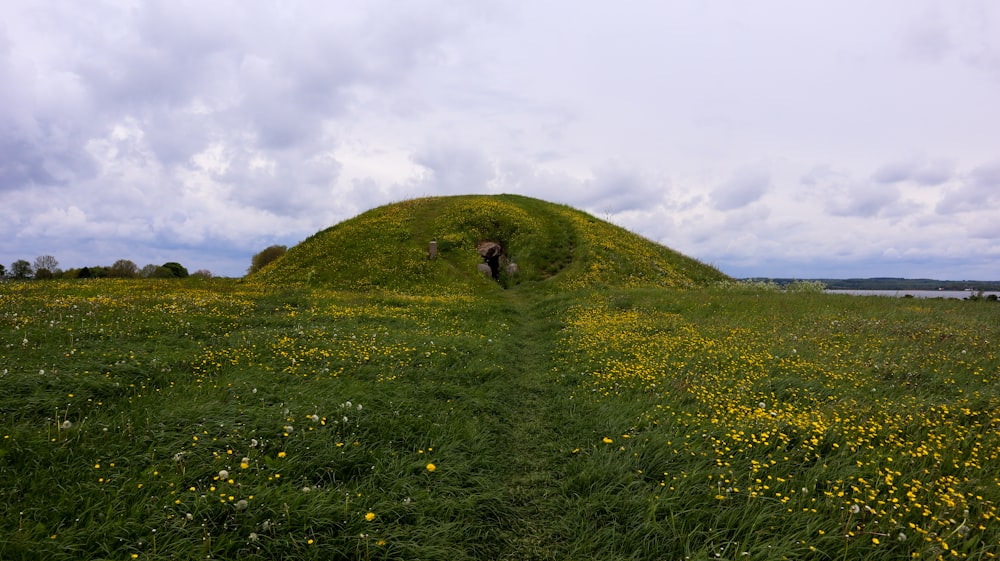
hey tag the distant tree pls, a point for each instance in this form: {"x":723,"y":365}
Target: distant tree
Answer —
{"x":161,"y":273}
{"x":124,"y":269}
{"x":202,"y":274}
{"x":84,"y":273}
{"x":266,"y":256}
{"x":178,"y":269}
{"x":20,"y":269}
{"x":3,"y":271}
{"x":148,"y":270}
{"x":45,"y":266}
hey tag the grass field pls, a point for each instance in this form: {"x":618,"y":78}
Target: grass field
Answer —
{"x":196,"y":419}
{"x":560,"y":419}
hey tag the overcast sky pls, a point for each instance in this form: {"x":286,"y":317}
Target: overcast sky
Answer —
{"x":771,"y":138}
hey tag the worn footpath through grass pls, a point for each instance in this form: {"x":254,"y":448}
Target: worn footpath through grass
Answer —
{"x":560,"y":480}
{"x":542,"y":425}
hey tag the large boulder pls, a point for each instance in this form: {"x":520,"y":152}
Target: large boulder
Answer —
{"x":489,"y":250}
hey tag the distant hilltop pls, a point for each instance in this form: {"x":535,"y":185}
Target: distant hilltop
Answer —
{"x":892,"y":283}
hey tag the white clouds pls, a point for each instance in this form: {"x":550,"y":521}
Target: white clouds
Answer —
{"x":978,"y":191}
{"x":212,"y":130}
{"x":452,"y":169}
{"x":919,"y":171}
{"x":746,"y":186}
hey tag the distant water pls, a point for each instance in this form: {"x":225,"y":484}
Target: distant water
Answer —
{"x":960,"y":294}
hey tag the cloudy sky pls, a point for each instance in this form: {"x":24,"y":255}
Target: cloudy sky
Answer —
{"x":775,"y":138}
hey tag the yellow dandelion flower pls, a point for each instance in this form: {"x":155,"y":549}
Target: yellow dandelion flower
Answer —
{"x":608,"y":440}
{"x":370,"y":516}
{"x":282,"y":454}
{"x":431,"y":467}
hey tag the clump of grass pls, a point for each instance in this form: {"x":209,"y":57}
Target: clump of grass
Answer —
{"x":812,"y":287}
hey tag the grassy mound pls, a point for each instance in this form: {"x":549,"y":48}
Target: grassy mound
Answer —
{"x":387,"y":249}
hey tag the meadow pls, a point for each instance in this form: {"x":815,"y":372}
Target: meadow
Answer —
{"x":618,"y":401}
{"x":220,"y":419}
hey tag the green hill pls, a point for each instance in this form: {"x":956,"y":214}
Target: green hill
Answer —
{"x":387,"y":248}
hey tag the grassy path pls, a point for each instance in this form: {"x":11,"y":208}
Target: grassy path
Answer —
{"x":543,"y":426}
{"x":537,"y":420}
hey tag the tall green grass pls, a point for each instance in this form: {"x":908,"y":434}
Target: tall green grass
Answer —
{"x":219,"y":419}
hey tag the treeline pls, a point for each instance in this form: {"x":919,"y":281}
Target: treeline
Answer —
{"x":47,"y":267}
{"x":892,"y":283}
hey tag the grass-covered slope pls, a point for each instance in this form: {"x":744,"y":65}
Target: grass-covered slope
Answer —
{"x":387,"y":248}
